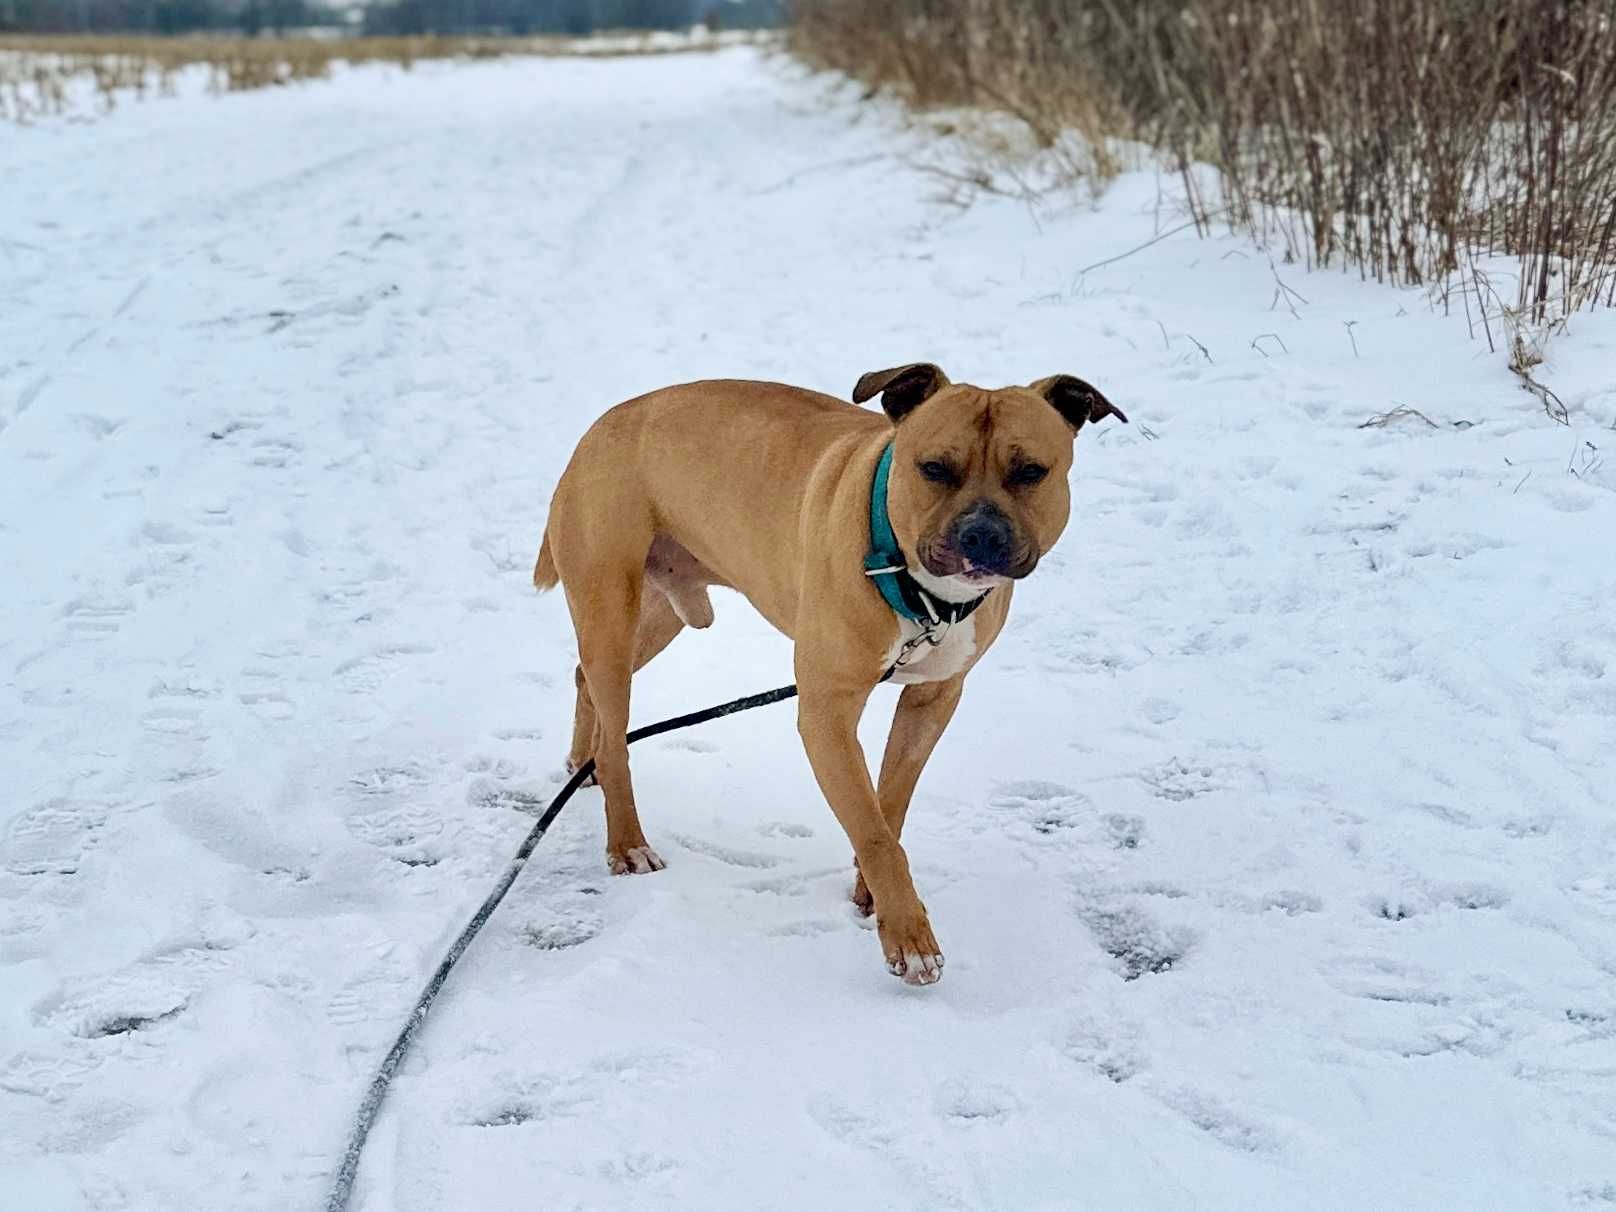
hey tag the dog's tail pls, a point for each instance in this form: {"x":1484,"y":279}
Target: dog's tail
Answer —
{"x":545,"y":575}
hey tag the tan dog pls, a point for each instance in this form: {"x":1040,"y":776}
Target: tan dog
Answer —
{"x":768,"y":489}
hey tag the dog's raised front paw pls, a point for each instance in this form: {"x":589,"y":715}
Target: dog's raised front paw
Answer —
{"x":911,"y":948}
{"x":634,"y":860}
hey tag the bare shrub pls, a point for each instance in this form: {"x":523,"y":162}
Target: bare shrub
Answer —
{"x":1403,"y":137}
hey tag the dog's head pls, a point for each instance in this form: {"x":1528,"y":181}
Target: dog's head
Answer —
{"x":978,"y":489}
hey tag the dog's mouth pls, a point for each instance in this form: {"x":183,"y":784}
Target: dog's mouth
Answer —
{"x":941,"y":559}
{"x":973,"y":575}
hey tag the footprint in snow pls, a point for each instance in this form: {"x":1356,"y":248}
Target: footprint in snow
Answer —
{"x":969,"y":1102}
{"x":1160,"y":711}
{"x":389,"y":780}
{"x":485,"y":793}
{"x":784,"y":829}
{"x":808,"y":927}
{"x":376,"y":995}
{"x":1402,"y":906}
{"x":579,"y":1090}
{"x":560,"y":928}
{"x":494,"y":766}
{"x":186,"y":689}
{"x":519,"y":734}
{"x":96,"y":615}
{"x":52,"y":837}
{"x":50,"y":1075}
{"x":264,"y":695}
{"x":1112,"y":1047}
{"x":637,"y":1167}
{"x":690,"y":744}
{"x":123,"y":1004}
{"x":1125,"y":832}
{"x":1221,"y":1122}
{"x":1593,"y":1196}
{"x":364,"y":674}
{"x":164,"y":534}
{"x":535,"y":1099}
{"x":403,"y":830}
{"x":227,"y":428}
{"x":724,"y":854}
{"x":90,"y":1126}
{"x":1290,"y":902}
{"x":171,"y":720}
{"x":1047,"y":807}
{"x":1141,"y":945}
{"x":838,"y":1120}
{"x":1595,"y":892}
{"x":1377,"y":979}
{"x":274,"y":453}
{"x":1178,"y":780}
{"x":214,"y":513}
{"x":99,"y":427}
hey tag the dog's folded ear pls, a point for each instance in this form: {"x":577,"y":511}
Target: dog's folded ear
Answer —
{"x":903,"y":388}
{"x":1079,"y":402}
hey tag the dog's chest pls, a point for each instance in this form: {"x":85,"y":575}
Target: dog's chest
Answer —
{"x":935,"y":662}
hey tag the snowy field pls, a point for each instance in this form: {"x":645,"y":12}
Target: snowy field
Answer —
{"x":1272,"y":849}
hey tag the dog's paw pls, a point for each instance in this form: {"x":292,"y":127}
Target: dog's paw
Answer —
{"x":911,"y":949}
{"x":861,"y":896}
{"x":634,"y":860}
{"x":572,"y":769}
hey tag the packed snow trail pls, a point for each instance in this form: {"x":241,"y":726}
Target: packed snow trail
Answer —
{"x":1271,"y":849}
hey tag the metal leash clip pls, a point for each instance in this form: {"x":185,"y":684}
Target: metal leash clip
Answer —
{"x":931,"y":636}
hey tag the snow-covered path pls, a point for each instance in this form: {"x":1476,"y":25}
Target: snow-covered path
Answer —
{"x":1272,"y":851}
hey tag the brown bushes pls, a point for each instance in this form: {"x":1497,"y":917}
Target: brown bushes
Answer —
{"x":1405,"y":137}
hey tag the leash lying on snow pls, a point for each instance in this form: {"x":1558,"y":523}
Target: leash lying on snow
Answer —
{"x":342,"y":1187}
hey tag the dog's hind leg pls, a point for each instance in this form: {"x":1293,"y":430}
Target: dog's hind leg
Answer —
{"x":606,"y":617}
{"x":659,"y":624}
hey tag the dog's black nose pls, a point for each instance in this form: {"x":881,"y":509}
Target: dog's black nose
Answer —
{"x":984,"y":538}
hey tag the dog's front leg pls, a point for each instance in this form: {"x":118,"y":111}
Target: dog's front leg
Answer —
{"x":924,"y":710}
{"x":828,"y":721}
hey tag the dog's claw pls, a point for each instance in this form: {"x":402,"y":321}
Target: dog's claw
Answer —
{"x":636,"y":860}
{"x":917,"y":969}
{"x":912,"y":952}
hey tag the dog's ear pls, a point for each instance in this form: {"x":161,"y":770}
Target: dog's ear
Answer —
{"x":903,"y":388}
{"x":1079,"y":402}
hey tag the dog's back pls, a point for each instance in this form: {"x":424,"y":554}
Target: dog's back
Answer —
{"x":694,"y":463}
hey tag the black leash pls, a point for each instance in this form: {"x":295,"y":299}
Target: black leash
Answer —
{"x":342,"y":1187}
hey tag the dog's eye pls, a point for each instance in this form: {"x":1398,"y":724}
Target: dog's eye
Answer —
{"x":1027,"y":473}
{"x":937,"y":472}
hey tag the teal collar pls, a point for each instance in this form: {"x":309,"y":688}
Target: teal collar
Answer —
{"x":886,"y":567}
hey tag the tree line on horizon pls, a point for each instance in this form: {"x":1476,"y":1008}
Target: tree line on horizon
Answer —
{"x":382,"y":17}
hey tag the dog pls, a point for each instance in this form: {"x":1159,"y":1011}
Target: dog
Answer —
{"x":878,"y":543}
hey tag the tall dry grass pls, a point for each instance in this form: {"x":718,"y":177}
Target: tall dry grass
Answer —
{"x":53,"y":76}
{"x":47,"y":76}
{"x":1410,"y":139}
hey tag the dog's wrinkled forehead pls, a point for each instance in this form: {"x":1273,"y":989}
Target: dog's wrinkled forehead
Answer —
{"x":971,"y":421}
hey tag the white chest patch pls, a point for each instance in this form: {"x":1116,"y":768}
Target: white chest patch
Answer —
{"x":935,"y":662}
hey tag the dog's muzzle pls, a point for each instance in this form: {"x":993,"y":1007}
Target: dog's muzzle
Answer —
{"x":985,"y":538}
{"x":979,"y":546}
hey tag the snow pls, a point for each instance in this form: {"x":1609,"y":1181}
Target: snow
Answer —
{"x":1271,"y":848}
